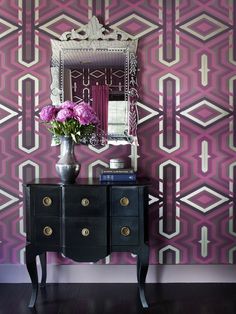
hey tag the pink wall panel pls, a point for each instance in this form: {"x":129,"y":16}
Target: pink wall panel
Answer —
{"x":187,"y":81}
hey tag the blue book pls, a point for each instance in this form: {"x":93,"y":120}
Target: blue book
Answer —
{"x":118,"y":177}
{"x":118,"y":170}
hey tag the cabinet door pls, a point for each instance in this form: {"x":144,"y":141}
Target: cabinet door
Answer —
{"x":45,"y":200}
{"x":85,"y":201}
{"x":85,"y":232}
{"x":124,"y":201}
{"x":125,"y":231}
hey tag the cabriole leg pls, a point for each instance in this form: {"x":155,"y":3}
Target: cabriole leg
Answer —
{"x":43,"y":262}
{"x":142,"y":268}
{"x":32,"y":269}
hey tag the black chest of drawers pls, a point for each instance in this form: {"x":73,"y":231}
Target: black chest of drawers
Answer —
{"x":86,"y":221}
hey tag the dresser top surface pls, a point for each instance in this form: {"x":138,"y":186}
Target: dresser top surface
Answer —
{"x":91,"y":181}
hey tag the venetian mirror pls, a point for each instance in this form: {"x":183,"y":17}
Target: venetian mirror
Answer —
{"x":98,"y":65}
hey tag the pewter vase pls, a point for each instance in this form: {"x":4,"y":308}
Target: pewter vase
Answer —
{"x":67,"y":166}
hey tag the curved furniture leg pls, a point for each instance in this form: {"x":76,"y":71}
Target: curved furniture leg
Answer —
{"x":32,"y":269}
{"x":43,"y":263}
{"x":142,"y":268}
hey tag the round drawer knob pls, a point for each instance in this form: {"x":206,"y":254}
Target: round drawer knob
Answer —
{"x":84,"y":202}
{"x":85,"y":232}
{"x":47,"y":201}
{"x":125,"y":231}
{"x":47,"y":231}
{"x":124,"y":201}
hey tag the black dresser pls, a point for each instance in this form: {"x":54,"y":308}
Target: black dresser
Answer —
{"x":86,"y":221}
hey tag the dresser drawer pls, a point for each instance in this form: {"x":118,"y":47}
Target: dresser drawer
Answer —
{"x":125,"y":231}
{"x":47,"y":231}
{"x":85,"y":201}
{"x":45,"y":200}
{"x":85,"y":232}
{"x":124,"y":201}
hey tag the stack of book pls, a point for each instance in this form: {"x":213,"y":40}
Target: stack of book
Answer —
{"x":118,"y":175}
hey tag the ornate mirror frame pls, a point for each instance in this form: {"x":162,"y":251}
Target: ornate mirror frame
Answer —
{"x":95,"y":37}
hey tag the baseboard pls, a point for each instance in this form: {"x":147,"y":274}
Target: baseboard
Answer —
{"x":123,"y":273}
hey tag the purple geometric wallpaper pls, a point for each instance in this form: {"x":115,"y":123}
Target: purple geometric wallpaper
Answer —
{"x":187,"y":120}
{"x":114,"y":78}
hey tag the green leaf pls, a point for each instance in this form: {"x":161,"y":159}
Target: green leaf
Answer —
{"x":73,"y":137}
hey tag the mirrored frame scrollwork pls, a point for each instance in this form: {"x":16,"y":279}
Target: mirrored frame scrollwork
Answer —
{"x":95,"y":38}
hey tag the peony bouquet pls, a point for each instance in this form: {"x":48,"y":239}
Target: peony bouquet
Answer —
{"x":70,"y":119}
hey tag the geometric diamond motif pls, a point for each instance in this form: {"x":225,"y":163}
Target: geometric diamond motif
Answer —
{"x":97,"y":74}
{"x":142,"y":112}
{"x":204,"y":199}
{"x":134,"y":26}
{"x":204,"y":27}
{"x":76,"y":73}
{"x":6,"y":113}
{"x":60,"y":24}
{"x":118,"y":73}
{"x":152,"y":199}
{"x":6,"y":199}
{"x":204,"y":113}
{"x":6,"y":28}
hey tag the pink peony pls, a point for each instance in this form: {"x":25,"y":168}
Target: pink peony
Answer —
{"x":85,"y":114}
{"x":70,"y":119}
{"x":68,"y":105}
{"x":48,"y":113}
{"x":64,"y":114}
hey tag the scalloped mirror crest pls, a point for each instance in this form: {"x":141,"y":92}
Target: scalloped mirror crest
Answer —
{"x":94,"y":31}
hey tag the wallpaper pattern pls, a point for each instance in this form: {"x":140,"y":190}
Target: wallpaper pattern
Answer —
{"x":83,"y":79}
{"x":187,"y":81}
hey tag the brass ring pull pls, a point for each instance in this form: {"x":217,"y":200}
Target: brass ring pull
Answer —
{"x":84,"y":202}
{"x":47,"y":201}
{"x":47,"y":231}
{"x":125,"y":231}
{"x":85,"y":232}
{"x":124,"y":201}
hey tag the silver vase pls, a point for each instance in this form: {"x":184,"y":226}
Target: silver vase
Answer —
{"x":67,"y":166}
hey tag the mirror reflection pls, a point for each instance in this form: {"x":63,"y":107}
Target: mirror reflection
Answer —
{"x":98,"y":77}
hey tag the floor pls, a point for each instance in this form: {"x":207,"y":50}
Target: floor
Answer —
{"x":120,"y":299}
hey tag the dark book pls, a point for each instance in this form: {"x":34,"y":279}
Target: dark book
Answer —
{"x":118,"y":177}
